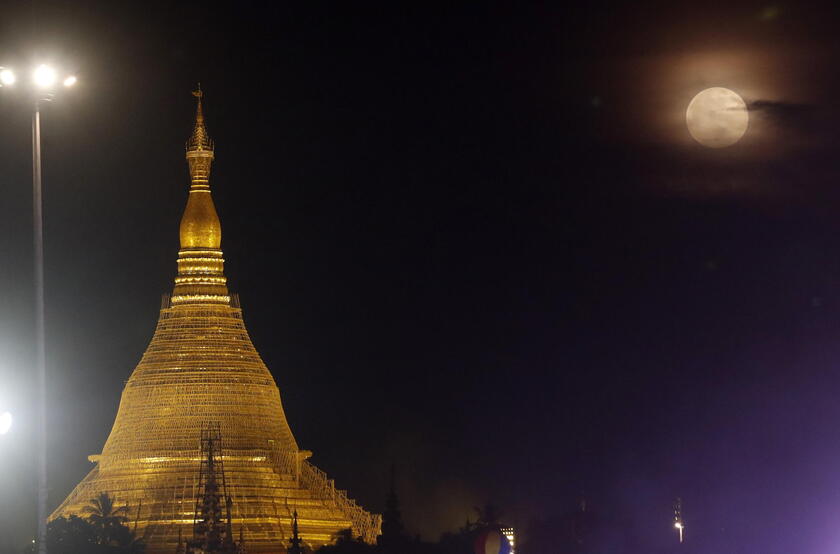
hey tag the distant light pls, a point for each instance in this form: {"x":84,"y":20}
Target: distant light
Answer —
{"x":678,"y":525}
{"x":7,"y":77}
{"x":510,"y":535}
{"x":5,"y":422}
{"x":70,"y":81}
{"x":44,"y":76}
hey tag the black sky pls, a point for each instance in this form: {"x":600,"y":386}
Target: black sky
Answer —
{"x":476,"y":242}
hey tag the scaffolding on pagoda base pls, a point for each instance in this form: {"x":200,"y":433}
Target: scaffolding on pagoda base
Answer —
{"x":292,"y":465}
{"x":287,"y":462}
{"x":212,"y":528}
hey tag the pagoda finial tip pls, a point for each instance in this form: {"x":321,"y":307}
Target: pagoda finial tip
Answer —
{"x":200,"y":139}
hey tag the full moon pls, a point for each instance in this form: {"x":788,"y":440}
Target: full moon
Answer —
{"x":5,"y":422}
{"x":717,"y":117}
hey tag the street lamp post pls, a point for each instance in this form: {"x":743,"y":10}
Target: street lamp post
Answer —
{"x":40,"y":338}
{"x":44,"y":80}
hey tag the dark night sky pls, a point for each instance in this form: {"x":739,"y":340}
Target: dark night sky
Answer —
{"x":475,"y":242}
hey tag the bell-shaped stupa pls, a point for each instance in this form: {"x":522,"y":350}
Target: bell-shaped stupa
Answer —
{"x":201,"y":368}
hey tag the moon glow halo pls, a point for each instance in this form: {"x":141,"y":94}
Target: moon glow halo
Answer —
{"x":717,"y":117}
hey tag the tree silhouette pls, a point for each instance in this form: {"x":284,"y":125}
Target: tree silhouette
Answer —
{"x":71,"y":535}
{"x":108,"y":520}
{"x":347,"y":544}
{"x":74,"y":535}
{"x":393,"y":537}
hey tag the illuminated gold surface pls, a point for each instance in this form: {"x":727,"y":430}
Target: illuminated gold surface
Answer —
{"x":201,"y":366}
{"x":200,"y":264}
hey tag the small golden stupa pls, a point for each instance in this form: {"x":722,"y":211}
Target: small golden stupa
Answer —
{"x":201,"y":368}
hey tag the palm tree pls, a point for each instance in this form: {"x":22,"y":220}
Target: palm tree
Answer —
{"x":105,"y":518}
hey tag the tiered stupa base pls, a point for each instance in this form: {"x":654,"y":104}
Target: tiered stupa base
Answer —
{"x":161,"y":499}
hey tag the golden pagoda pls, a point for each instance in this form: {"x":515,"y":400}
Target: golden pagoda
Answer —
{"x":201,"y":368}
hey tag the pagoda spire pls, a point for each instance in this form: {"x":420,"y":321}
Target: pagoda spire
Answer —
{"x":200,"y":139}
{"x":200,"y":263}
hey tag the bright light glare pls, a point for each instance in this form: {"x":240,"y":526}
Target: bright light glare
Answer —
{"x":7,"y":77}
{"x":44,"y":76}
{"x":70,"y":81}
{"x":678,"y":525}
{"x":5,"y":422}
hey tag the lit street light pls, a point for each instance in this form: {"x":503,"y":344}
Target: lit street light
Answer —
{"x":679,"y":522}
{"x":44,"y":76}
{"x":44,"y":79}
{"x":7,"y":77}
{"x":5,"y":422}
